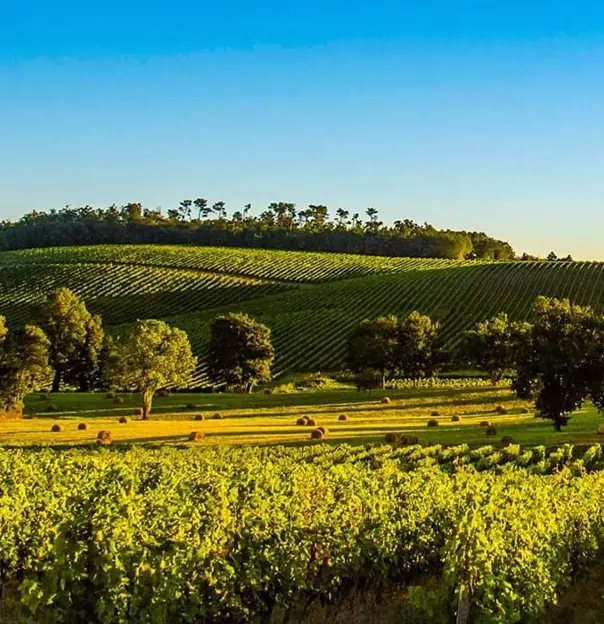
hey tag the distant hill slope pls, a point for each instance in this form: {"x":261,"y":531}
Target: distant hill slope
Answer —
{"x":309,"y":300}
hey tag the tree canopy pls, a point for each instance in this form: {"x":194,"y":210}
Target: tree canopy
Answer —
{"x":75,"y":338}
{"x":420,"y":350}
{"x":149,"y":356}
{"x":240,"y":352}
{"x":23,"y":365}
{"x":281,"y":225}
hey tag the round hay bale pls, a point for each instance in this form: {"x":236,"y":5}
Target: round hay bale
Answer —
{"x":502,"y":411}
{"x":409,"y":439}
{"x":268,"y":391}
{"x":123,"y":419}
{"x":52,"y":408}
{"x":301,"y":422}
{"x":163,"y":393}
{"x":103,"y":435}
{"x":386,"y":401}
{"x":524,"y":410}
{"x":55,"y":428}
{"x":191,"y":406}
{"x":507,"y":440}
{"x":342,"y":417}
{"x":82,"y":427}
{"x":455,"y":418}
{"x":310,"y":422}
{"x":485,"y":423}
{"x":118,"y":400}
{"x":392,"y":438}
{"x":316,"y":434}
{"x":138,"y":412}
{"x":196,"y":436}
{"x":432,"y":423}
{"x":491,"y":430}
{"x":323,"y":430}
{"x":198,"y":417}
{"x":435,"y":413}
{"x":217,"y":416}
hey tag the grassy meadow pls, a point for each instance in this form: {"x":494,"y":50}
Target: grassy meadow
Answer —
{"x":261,"y":419}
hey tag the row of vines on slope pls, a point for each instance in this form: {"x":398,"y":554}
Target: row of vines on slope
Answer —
{"x":172,"y":535}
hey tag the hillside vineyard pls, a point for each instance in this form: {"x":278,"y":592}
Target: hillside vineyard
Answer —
{"x":309,"y":300}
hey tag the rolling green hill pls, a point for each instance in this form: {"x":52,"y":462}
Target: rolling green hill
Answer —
{"x":309,"y":300}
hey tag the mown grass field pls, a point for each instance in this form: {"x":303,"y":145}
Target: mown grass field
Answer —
{"x":271,"y":419}
{"x":311,"y":301}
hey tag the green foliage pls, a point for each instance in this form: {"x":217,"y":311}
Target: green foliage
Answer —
{"x":372,"y":348}
{"x":23,"y":365}
{"x":177,"y":535}
{"x":150,"y":356}
{"x":560,"y":362}
{"x":492,"y":345}
{"x":75,"y":338}
{"x":240,"y":352}
{"x":419,"y":351}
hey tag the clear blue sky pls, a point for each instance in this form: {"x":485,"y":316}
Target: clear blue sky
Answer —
{"x":471,"y":115}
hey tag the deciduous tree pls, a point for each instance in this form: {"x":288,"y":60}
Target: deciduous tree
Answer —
{"x":492,"y":345}
{"x":560,"y":360}
{"x":419,"y":351}
{"x":73,"y":335}
{"x":149,"y":356}
{"x":241,"y":353}
{"x":372,"y":346}
{"x":23,"y":365}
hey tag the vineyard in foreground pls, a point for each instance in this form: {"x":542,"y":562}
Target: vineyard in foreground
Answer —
{"x":242,"y":534}
{"x":310,"y":301}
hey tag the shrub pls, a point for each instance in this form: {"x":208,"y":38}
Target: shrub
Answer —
{"x":434,"y":413}
{"x":55,"y":428}
{"x":118,"y":400}
{"x":342,"y":417}
{"x":432,"y":423}
{"x":491,"y":430}
{"x":524,"y":410}
{"x":409,"y":439}
{"x":455,"y":418}
{"x":485,"y":423}
{"x":316,"y":434}
{"x":310,"y":422}
{"x":104,"y":438}
{"x":191,"y":406}
{"x":123,"y":419}
{"x":323,"y":430}
{"x":138,"y":412}
{"x":502,"y":411}
{"x":386,"y":401}
{"x":52,"y":408}
{"x":392,"y":438}
{"x":301,"y":422}
{"x":163,"y":393}
{"x":268,"y":391}
{"x":82,"y":427}
{"x":507,"y":440}
{"x":217,"y":416}
{"x":196,"y":436}
{"x":198,"y":417}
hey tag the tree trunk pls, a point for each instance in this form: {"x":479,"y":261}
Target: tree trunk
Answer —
{"x":249,"y":386}
{"x":56,"y":381}
{"x":383,"y":381}
{"x":558,"y":423}
{"x":147,"y":402}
